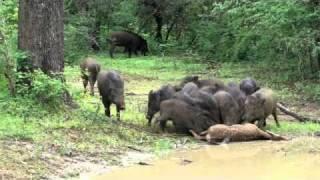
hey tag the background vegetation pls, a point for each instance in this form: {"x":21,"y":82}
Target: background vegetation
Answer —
{"x":280,"y":37}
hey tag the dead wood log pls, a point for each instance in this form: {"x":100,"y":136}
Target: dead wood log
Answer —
{"x":300,"y":118}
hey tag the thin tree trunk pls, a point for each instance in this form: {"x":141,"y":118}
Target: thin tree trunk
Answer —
{"x":94,"y":36}
{"x":159,"y":22}
{"x":170,"y":28}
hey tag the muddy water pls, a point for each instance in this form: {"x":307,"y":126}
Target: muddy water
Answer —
{"x":255,"y":160}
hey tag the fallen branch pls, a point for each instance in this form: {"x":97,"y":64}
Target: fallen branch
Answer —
{"x":144,"y":163}
{"x":134,"y":148}
{"x":295,"y":115}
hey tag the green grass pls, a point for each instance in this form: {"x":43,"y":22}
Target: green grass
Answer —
{"x":295,"y":128}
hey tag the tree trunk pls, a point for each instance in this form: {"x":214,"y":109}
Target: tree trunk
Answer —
{"x":169,"y":29}
{"x":159,"y":21}
{"x":41,"y":34}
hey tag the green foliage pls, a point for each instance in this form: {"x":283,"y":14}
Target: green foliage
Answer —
{"x":295,"y":128}
{"x":47,"y":90}
{"x":8,"y":41}
{"x":310,"y":89}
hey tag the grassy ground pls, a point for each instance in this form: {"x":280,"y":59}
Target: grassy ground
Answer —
{"x":40,"y":142}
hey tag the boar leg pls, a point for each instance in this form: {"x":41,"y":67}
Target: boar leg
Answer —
{"x":163,"y":125}
{"x":112,"y":46}
{"x":92,"y":81}
{"x":162,"y":119}
{"x":85,"y":82}
{"x":135,"y":52}
{"x":106,"y":104}
{"x":262,"y":123}
{"x":274,"y":114}
{"x":118,"y":112}
{"x":129,"y":52}
{"x":149,"y":120}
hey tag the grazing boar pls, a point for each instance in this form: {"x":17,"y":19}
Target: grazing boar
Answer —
{"x":228,"y":107}
{"x":237,"y":132}
{"x":184,"y":116}
{"x":249,"y":86}
{"x":155,"y":98}
{"x":190,"y":88}
{"x":89,"y":71}
{"x":186,"y":80}
{"x":215,"y":84}
{"x":259,"y":106}
{"x":237,"y":94}
{"x":194,"y":96}
{"x":111,"y":89}
{"x":132,"y":42}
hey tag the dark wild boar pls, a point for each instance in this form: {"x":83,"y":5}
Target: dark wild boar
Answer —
{"x":89,"y":71}
{"x":249,"y":86}
{"x":237,"y":94}
{"x":237,"y":132}
{"x":204,"y":101}
{"x":215,"y":84}
{"x":259,"y":106}
{"x":228,"y":108}
{"x":155,"y":98}
{"x":184,"y":116}
{"x":132,"y":42}
{"x":111,"y":88}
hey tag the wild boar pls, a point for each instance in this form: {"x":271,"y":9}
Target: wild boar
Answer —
{"x":237,"y":94}
{"x":155,"y":98}
{"x":259,"y":106}
{"x":249,"y":86}
{"x":228,"y":107}
{"x":215,"y":84}
{"x":132,"y":42}
{"x":89,"y":71}
{"x":111,"y":89}
{"x":184,"y":116}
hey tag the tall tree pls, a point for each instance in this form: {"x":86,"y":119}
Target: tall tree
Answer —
{"x":41,"y":34}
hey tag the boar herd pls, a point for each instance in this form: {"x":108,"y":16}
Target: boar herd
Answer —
{"x":208,"y":109}
{"x":196,"y":104}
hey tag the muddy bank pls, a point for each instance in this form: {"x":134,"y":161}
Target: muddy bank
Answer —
{"x":250,"y":160}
